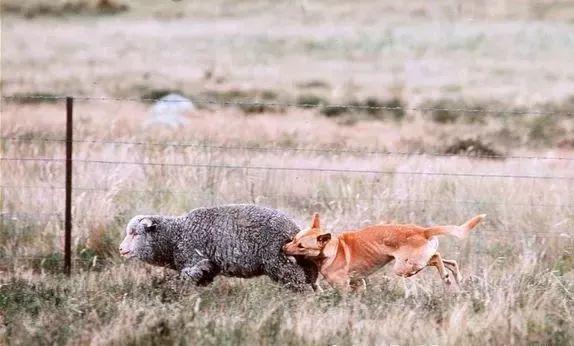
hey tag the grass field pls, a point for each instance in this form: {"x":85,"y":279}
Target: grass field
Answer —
{"x":509,"y":56}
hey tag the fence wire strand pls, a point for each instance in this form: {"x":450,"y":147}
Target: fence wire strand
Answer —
{"x":291,"y":169}
{"x":354,"y":151}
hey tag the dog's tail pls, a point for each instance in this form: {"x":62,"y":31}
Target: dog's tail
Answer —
{"x":457,"y":231}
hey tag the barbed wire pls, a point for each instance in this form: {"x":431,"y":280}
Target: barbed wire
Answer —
{"x":355,"y":151}
{"x":290,"y":169}
{"x":357,"y":197}
{"x":285,"y":104}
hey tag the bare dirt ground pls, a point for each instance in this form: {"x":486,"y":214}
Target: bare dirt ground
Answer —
{"x":512,"y":57}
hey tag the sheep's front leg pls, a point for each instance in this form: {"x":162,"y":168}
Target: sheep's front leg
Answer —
{"x":201,"y":273}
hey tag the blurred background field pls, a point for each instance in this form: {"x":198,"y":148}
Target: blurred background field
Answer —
{"x":460,"y":108}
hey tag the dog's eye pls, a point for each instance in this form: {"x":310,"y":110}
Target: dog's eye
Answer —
{"x":300,"y":246}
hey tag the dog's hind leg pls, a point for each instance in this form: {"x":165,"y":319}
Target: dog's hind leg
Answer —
{"x":436,"y":261}
{"x":452,"y":265}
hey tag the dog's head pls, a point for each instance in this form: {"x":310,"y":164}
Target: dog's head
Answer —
{"x":310,"y":242}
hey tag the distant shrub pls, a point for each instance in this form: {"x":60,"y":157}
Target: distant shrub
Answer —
{"x":248,"y":101}
{"x":373,"y":106}
{"x":472,"y":147}
{"x":544,"y":130}
{"x":444,"y":111}
{"x":238,"y":94}
{"x":35,"y":97}
{"x":313,"y":84}
{"x":229,"y":95}
{"x":110,"y":7}
{"x":370,"y":106}
{"x":55,"y":8}
{"x":393,"y":106}
{"x":268,"y":95}
{"x":254,"y":108}
{"x":334,"y":111}
{"x":156,"y":94}
{"x":310,"y":100}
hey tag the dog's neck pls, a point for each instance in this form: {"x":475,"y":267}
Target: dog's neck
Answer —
{"x":329,"y":253}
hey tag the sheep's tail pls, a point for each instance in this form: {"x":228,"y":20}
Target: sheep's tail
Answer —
{"x":457,"y":231}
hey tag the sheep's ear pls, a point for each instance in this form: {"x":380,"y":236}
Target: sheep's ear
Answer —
{"x":149,"y":225}
{"x":316,"y":223}
{"x":323,"y":239}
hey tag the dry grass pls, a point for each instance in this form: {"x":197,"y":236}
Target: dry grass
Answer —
{"x":518,"y":266}
{"x":418,"y":51}
{"x":504,"y":303}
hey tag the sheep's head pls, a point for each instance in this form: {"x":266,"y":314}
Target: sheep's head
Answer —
{"x":140,"y":240}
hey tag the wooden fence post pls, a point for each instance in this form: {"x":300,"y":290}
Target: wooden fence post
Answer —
{"x":68,"y":210}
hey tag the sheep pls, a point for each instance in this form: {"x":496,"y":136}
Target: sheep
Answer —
{"x":239,"y":240}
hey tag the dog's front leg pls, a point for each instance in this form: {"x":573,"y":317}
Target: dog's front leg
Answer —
{"x":358,"y":285}
{"x":338,"y":279}
{"x":316,"y":287}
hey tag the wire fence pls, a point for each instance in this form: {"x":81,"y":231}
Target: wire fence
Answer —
{"x":215,"y":102}
{"x":69,"y":141}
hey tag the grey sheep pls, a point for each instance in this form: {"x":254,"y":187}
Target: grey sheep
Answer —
{"x":238,"y":240}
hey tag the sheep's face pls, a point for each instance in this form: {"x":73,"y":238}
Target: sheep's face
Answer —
{"x":139,"y":239}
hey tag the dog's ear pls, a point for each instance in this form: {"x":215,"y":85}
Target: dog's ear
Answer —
{"x":316,"y":223}
{"x":323,"y":239}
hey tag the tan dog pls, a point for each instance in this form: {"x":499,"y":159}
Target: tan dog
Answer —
{"x":345,"y":260}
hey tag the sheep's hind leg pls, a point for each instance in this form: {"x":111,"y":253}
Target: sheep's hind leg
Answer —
{"x":202,"y":273}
